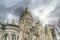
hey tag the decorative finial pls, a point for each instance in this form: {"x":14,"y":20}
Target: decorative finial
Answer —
{"x":7,"y":21}
{"x":13,"y":22}
{"x":26,"y":9}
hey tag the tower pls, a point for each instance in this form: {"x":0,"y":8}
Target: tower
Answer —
{"x":53,"y":33}
{"x":39,"y":31}
{"x":25,"y":23}
{"x":48,"y":32}
{"x":25,"y":19}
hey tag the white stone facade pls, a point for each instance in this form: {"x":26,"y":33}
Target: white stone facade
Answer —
{"x":25,"y":30}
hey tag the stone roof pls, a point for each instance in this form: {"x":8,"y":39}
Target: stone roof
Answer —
{"x":9,"y":25}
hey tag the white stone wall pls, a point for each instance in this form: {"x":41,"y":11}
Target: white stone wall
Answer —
{"x":9,"y":33}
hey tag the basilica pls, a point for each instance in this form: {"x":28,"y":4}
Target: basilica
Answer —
{"x":26,"y":29}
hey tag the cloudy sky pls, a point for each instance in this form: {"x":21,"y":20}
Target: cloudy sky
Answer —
{"x":47,"y":11}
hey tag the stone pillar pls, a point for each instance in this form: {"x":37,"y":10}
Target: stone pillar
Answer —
{"x":28,"y":36}
{"x":21,"y":35}
{"x":17,"y":36}
{"x":36,"y":37}
{"x":9,"y":36}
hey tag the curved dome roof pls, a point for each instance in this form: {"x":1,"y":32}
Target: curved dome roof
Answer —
{"x":26,"y":12}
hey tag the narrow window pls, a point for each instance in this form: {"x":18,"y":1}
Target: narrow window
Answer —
{"x":13,"y":37}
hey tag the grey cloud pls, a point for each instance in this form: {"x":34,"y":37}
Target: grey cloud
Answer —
{"x":47,"y":1}
{"x":56,"y":11}
{"x":56,"y":14}
{"x":18,"y":11}
{"x":18,"y":7}
{"x":3,"y":11}
{"x":37,"y":3}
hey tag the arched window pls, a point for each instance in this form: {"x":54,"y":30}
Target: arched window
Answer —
{"x":13,"y":37}
{"x":5,"y":36}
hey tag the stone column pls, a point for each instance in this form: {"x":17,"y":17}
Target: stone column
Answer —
{"x":28,"y":36}
{"x":17,"y":36}
{"x":9,"y":36}
{"x":22,"y":35}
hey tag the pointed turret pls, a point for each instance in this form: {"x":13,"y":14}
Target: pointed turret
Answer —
{"x":38,"y":28}
{"x":38,"y":24}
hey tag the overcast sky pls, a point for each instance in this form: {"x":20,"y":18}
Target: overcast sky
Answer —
{"x":46,"y":11}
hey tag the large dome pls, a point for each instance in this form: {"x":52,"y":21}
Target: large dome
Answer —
{"x":27,"y":14}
